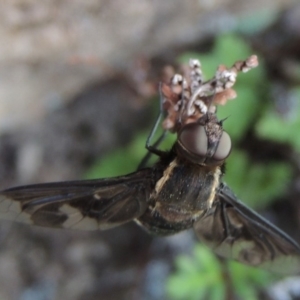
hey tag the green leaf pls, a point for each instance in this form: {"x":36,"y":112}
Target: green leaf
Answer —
{"x":126,"y":159}
{"x":217,"y":292}
{"x":198,"y":277}
{"x":272,"y":126}
{"x":201,"y":278}
{"x":237,"y":122}
{"x":121,"y":161}
{"x":185,"y":264}
{"x":230,"y":47}
{"x":248,"y":280}
{"x":256,"y":184}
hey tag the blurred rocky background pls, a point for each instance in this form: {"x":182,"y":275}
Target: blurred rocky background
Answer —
{"x":77,"y":80}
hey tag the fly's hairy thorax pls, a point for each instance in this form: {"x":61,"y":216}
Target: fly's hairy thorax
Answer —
{"x":181,"y":196}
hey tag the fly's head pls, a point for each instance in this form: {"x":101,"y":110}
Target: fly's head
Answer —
{"x":204,"y":142}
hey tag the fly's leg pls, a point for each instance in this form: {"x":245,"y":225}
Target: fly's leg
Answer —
{"x":152,"y":149}
{"x":147,"y":157}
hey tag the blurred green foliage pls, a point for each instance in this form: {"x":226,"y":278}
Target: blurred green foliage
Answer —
{"x":197,"y":277}
{"x":121,"y":161}
{"x":281,"y":130}
{"x":200,"y":276}
{"x":257,"y":184}
{"x":125,"y":160}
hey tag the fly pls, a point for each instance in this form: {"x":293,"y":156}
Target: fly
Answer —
{"x":183,"y":190}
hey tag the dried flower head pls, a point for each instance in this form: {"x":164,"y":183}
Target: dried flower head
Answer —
{"x":185,"y":100}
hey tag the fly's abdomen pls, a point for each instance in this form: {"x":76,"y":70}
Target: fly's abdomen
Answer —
{"x":180,"y":198}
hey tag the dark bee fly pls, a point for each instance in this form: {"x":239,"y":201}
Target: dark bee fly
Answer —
{"x":183,"y":190}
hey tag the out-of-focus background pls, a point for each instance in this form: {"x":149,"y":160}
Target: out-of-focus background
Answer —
{"x":78,"y":94}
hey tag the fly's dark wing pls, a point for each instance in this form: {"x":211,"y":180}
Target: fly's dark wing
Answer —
{"x":86,"y":204}
{"x":236,"y":232}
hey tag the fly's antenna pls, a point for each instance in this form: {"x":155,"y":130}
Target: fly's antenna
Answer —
{"x":223,"y":120}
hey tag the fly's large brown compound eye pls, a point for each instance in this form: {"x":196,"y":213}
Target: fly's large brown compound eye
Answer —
{"x":224,"y":147}
{"x":193,"y":138}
